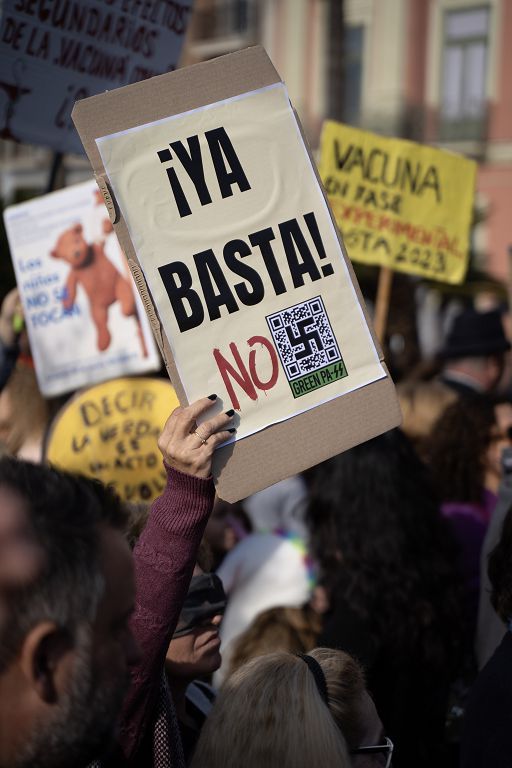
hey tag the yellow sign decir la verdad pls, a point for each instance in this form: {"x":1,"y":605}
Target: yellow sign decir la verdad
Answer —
{"x":399,"y":204}
{"x":110,"y":432}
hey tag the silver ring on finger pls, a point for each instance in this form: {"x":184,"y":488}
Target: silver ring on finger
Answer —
{"x":202,"y":439}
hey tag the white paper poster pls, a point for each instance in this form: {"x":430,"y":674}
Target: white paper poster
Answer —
{"x":242,"y":259}
{"x":83,"y":314}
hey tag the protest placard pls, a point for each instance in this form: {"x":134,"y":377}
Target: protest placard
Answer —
{"x":257,"y":286}
{"x":399,"y":204}
{"x":110,"y":432}
{"x":52,"y":53}
{"x":84,"y":317}
{"x":220,"y":205}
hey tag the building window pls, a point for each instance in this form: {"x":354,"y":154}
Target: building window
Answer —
{"x":224,"y":18}
{"x":353,"y":73}
{"x":463,"y":96}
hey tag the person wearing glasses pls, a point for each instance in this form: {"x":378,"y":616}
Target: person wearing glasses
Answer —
{"x":353,"y":709}
{"x":285,"y":710}
{"x":194,"y":653}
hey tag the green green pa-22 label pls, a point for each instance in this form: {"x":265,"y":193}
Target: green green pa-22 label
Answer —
{"x":307,"y":347}
{"x":318,"y":379}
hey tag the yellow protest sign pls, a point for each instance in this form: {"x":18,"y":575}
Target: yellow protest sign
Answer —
{"x":110,"y":432}
{"x":399,"y":204}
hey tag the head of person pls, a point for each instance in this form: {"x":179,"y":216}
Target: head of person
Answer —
{"x":228,"y":524}
{"x":422,"y":403}
{"x":194,"y":650}
{"x":24,"y":414}
{"x":475,"y":349}
{"x":353,"y":709}
{"x":66,"y":596}
{"x":501,"y":439}
{"x":285,"y":710}
{"x":465,"y":448}
{"x":285,"y":628}
{"x":383,"y":547}
{"x":500,"y":572}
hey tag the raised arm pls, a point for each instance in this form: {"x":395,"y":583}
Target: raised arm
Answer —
{"x":166,"y":553}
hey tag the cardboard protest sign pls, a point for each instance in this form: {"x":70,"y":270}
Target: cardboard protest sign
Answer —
{"x":244,"y":267}
{"x":52,"y":53}
{"x":399,"y":204}
{"x":251,"y":294}
{"x":84,"y":317}
{"x":110,"y":432}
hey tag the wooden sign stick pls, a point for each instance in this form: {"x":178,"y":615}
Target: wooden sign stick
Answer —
{"x":382,"y":302}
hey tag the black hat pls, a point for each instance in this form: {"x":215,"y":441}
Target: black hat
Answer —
{"x":205,"y":599}
{"x":475,"y":334}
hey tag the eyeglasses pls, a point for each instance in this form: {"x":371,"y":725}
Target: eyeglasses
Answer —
{"x":379,"y":749}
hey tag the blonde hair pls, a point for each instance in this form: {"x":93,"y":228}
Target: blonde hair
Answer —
{"x":346,"y":687}
{"x":24,"y":413}
{"x":422,"y":403}
{"x":277,"y":629}
{"x":270,"y":713}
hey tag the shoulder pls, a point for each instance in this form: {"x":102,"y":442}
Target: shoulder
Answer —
{"x":201,"y":696}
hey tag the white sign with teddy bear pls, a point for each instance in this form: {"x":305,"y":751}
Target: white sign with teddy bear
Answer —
{"x":83,"y":313}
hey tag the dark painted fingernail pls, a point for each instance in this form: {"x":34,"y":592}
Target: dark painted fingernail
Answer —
{"x":230,"y":412}
{"x":212,"y":397}
{"x":231,"y":430}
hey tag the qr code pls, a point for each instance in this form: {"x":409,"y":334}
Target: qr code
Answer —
{"x":304,"y":338}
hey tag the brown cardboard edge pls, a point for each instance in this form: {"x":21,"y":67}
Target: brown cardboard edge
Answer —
{"x":308,"y":439}
{"x":267,"y":456}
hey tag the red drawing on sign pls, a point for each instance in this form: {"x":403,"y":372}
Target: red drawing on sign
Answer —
{"x":248,"y":380}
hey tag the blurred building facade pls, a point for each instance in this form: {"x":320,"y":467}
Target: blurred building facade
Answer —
{"x":433,"y":71}
{"x":430,"y":70}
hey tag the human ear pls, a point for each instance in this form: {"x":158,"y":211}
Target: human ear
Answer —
{"x":42,"y":657}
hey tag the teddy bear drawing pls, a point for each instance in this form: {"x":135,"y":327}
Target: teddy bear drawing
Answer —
{"x":99,"y":278}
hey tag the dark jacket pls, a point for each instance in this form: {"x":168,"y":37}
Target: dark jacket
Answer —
{"x":486,"y":738}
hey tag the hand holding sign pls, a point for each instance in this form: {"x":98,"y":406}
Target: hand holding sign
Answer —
{"x":189,"y":448}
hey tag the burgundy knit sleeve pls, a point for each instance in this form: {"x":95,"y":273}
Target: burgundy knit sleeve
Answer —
{"x":164,"y":558}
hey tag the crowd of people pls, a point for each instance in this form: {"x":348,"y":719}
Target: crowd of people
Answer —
{"x":354,"y":617}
